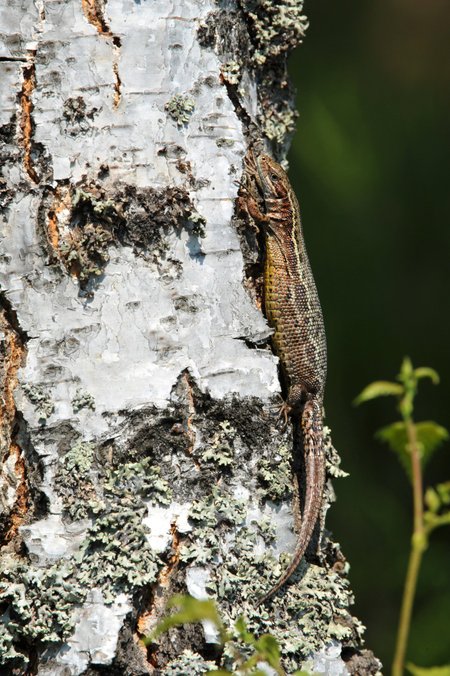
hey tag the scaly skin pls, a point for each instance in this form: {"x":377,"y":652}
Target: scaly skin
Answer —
{"x":293,"y":310}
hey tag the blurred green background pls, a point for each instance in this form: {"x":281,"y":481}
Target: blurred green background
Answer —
{"x":370,"y":165}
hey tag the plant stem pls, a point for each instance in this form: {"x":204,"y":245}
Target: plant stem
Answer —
{"x":418,"y":545}
{"x":415,"y":559}
{"x":416,"y":478}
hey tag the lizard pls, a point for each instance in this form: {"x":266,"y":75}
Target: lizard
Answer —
{"x":293,"y":310}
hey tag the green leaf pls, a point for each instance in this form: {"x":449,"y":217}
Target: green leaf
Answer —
{"x":429,"y":435}
{"x":437,"y":499}
{"x":301,"y":673}
{"x":406,"y":370}
{"x":268,"y":648}
{"x":432,"y":500}
{"x":395,"y":437}
{"x":244,"y":634}
{"x":428,"y":671}
{"x":190,"y":611}
{"x":443,"y":490}
{"x":426,"y":372}
{"x":220,"y":672}
{"x":380,"y":388}
{"x":433,"y":521}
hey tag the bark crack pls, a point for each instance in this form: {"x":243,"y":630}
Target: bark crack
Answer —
{"x":13,"y":474}
{"x":93,"y":10}
{"x":26,"y":118}
{"x":148,"y":619}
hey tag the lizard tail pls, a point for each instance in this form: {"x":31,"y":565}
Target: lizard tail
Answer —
{"x":312,"y":434}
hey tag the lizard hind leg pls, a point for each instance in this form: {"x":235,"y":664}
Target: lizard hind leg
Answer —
{"x":292,"y":405}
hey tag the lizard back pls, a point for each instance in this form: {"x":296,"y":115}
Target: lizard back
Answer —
{"x":291,"y":300}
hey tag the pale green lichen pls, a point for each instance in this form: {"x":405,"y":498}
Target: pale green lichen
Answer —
{"x":208,"y":514}
{"x":190,"y":663}
{"x":312,"y":611}
{"x":219,"y":450}
{"x":236,"y":549}
{"x":74,"y":482}
{"x":101,"y":207}
{"x":225,"y":142}
{"x":115,"y":557}
{"x":41,"y":400}
{"x":231,"y":72}
{"x":278,"y":27}
{"x":332,"y":457}
{"x":180,"y":108}
{"x":79,"y":458}
{"x":39,"y":608}
{"x":7,"y":651}
{"x":85,"y":251}
{"x":276,"y":473}
{"x":278,"y":123}
{"x":82,"y":400}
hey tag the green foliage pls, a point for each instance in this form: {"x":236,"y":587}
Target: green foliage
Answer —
{"x":263,"y":650}
{"x":426,"y":372}
{"x":380,"y":388}
{"x":429,"y":434}
{"x":428,"y":671}
{"x":437,"y":500}
{"x":400,"y":436}
{"x":190,"y":611}
{"x":414,"y":443}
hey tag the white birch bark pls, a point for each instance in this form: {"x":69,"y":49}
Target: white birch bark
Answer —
{"x":139,"y":454}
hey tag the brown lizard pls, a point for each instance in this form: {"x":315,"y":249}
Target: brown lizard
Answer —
{"x":293,"y":310}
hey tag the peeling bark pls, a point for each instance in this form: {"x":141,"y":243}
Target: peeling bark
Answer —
{"x":140,"y":456}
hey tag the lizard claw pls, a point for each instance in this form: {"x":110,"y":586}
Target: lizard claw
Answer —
{"x":282,"y":410}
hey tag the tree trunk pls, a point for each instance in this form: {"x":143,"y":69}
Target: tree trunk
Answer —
{"x":140,"y":454}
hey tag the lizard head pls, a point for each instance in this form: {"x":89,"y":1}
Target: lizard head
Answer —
{"x":272,"y":180}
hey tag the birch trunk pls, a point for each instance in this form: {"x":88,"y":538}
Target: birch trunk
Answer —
{"x":140,"y":456}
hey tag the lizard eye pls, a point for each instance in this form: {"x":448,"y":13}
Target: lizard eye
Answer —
{"x":273,"y":177}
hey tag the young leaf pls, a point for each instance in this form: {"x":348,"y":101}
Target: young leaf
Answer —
{"x":437,"y":499}
{"x":268,"y":648}
{"x":243,"y":632}
{"x":395,"y":437}
{"x":426,"y":372}
{"x":380,"y":388}
{"x":406,"y":370}
{"x":432,"y":500}
{"x":443,"y":490}
{"x":428,"y":671}
{"x":190,"y":611}
{"x":429,"y":435}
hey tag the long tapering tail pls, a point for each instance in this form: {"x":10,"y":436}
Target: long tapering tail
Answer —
{"x":312,"y":434}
